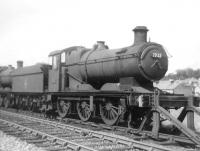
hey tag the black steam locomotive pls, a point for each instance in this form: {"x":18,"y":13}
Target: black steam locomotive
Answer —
{"x":114,"y":84}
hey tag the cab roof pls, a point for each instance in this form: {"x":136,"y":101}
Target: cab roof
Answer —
{"x":57,"y":52}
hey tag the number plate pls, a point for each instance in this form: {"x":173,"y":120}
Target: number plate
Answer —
{"x":157,"y":55}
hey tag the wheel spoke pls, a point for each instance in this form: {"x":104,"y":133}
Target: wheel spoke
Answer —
{"x":87,"y":106}
{"x":86,"y":114}
{"x":112,"y":115}
{"x":109,"y":113}
{"x":114,"y":107}
{"x":104,"y":107}
{"x":114,"y":112}
{"x":106,"y":113}
{"x":1,"y":101}
{"x":83,"y":109}
{"x":87,"y":109}
{"x":63,"y":108}
{"x":82,"y":112}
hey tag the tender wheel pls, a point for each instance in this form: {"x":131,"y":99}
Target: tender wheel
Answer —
{"x":6,"y":102}
{"x":29,"y":104}
{"x":23,"y":105}
{"x":109,"y":112}
{"x":34,"y":105}
{"x":83,"y":109}
{"x":12,"y":103}
{"x":1,"y":101}
{"x":63,"y":108}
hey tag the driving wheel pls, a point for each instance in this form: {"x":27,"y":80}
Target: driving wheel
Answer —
{"x":63,"y":108}
{"x":83,"y":109}
{"x":109,"y":112}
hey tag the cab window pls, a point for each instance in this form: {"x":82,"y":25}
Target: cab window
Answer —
{"x":55,"y":62}
{"x":63,"y":57}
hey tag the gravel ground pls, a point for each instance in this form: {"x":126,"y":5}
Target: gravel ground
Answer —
{"x":9,"y":143}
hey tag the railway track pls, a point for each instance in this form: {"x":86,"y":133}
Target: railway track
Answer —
{"x":55,"y":136}
{"x":171,"y":141}
{"x":165,"y":139}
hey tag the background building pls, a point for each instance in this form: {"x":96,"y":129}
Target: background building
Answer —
{"x":176,"y":87}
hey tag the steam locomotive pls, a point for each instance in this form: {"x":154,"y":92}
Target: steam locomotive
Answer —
{"x":113,"y":84}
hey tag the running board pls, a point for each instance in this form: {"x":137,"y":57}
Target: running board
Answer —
{"x":189,"y":133}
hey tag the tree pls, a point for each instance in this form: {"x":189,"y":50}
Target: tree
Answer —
{"x":184,"y":74}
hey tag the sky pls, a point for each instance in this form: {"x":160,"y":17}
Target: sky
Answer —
{"x":31,"y":29}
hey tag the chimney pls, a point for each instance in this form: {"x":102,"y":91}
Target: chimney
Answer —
{"x":140,"y":34}
{"x":19,"y":64}
{"x":101,"y":45}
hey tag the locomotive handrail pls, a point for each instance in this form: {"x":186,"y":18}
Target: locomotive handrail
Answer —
{"x":80,"y":81}
{"x":106,"y":59}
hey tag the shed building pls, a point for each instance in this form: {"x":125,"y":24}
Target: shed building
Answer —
{"x":175,"y":87}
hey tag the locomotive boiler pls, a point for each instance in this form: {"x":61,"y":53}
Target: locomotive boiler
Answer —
{"x":144,"y":61}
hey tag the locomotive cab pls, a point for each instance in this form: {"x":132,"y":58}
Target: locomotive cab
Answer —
{"x":59,"y":76}
{"x":55,"y":72}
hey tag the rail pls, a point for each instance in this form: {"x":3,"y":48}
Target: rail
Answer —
{"x":102,"y":136}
